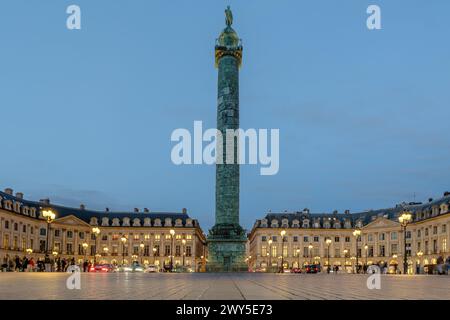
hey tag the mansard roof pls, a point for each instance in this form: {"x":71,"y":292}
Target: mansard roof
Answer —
{"x":86,"y":215}
{"x":365,"y":216}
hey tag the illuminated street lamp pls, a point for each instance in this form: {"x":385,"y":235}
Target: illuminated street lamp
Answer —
{"x":141,"y":246}
{"x":85,"y":246}
{"x":154,"y":252}
{"x":404,"y":219}
{"x":282,"y":233}
{"x":270,"y":253}
{"x":172,"y":234}
{"x":420,"y":254}
{"x":49,"y":215}
{"x":298,"y":257}
{"x":328,"y":242}
{"x":310,"y":247}
{"x":124,"y":240}
{"x":366,"y":248}
{"x":345,"y":259}
{"x":184,"y":249}
{"x":95,"y":232}
{"x":29,"y":251}
{"x":356,"y":234}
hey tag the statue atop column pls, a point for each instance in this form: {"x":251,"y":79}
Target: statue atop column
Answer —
{"x":228,"y":16}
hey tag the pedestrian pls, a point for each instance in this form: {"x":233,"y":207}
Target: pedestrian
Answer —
{"x":24,"y":264}
{"x":440,"y":265}
{"x":85,"y":265}
{"x":47,"y":263}
{"x":63,"y":265}
{"x":30,"y":265}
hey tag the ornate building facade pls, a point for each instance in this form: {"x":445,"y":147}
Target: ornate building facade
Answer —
{"x":330,"y":239}
{"x":105,"y":237}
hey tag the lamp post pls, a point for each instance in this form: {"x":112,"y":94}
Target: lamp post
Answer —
{"x":172,"y":234}
{"x":404,"y":219}
{"x":356,"y":234}
{"x":95,"y":232}
{"x":154,"y":252}
{"x":85,"y":246}
{"x":49,"y":215}
{"x":124,"y":240}
{"x":141,"y":246}
{"x":184,"y":249}
{"x":282,"y":233}
{"x":345,"y":259}
{"x":298,"y":257}
{"x":328,"y":242}
{"x":310,"y":247}
{"x":366,"y":248}
{"x":270,"y":253}
{"x":420,"y":254}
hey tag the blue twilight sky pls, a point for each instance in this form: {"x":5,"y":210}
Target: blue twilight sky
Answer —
{"x":86,"y":116}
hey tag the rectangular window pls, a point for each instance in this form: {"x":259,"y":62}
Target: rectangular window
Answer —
{"x":57,"y":233}
{"x":337,"y":253}
{"x":274,"y":238}
{"x":426,"y":232}
{"x":188,"y":251}
{"x":147,"y":237}
{"x":178,"y":251}
{"x":69,"y":234}
{"x":168,"y":237}
{"x":136,"y":250}
{"x":394,"y":235}
{"x":167,"y":250}
{"x":444,"y":228}
{"x":316,"y":239}
{"x":295,"y":238}
{"x":189,"y":237}
{"x":435,"y":248}
{"x":419,"y":233}
{"x":382,"y":251}
{"x":6,"y":241}
{"x":370,"y":237}
{"x":274,"y":251}
{"x":336,"y":239}
{"x":263,"y":238}
{"x":435,"y":230}
{"x":24,"y":228}
{"x":408,"y":234}
{"x":69,"y":248}
{"x":43,"y":231}
{"x":305,"y":252}
{"x":285,"y":251}
{"x":178,"y":236}
{"x":370,"y":253}
{"x":42,"y":245}
{"x":115,"y":236}
{"x":264,"y":251}
{"x":394,"y":248}
{"x":81,"y":235}
{"x":305,"y":239}
{"x":157,"y":250}
{"x":381,"y":237}
{"x":136,"y":237}
{"x":347,"y":239}
{"x":444,"y":245}
{"x":157,"y":237}
{"x":146,"y":250}
{"x":105,"y":237}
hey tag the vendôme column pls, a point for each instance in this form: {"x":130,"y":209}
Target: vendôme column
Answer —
{"x":226,"y":240}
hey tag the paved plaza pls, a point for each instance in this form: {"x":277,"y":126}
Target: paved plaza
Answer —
{"x":200,"y":286}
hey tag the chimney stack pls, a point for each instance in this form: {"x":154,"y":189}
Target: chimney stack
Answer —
{"x":446,"y":193}
{"x":45,"y":201}
{"x":430,"y":200}
{"x":9,"y":191}
{"x":146,"y":210}
{"x":82,"y":207}
{"x":107,"y":210}
{"x":184,"y":211}
{"x":136,"y":210}
{"x":347,"y":211}
{"x":19,"y":195}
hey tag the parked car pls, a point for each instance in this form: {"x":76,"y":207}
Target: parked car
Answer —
{"x":134,"y":267}
{"x":312,"y":268}
{"x":152,"y":268}
{"x":102,"y":268}
{"x":296,"y":270}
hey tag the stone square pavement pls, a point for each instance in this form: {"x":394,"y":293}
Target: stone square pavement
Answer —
{"x":200,"y":286}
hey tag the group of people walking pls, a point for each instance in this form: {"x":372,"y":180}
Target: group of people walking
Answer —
{"x":46,"y":264}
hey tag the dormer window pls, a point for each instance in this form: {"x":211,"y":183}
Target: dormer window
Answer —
{"x":189,"y":222}
{"x":274,"y":223}
{"x":136,"y":222}
{"x":264,"y":223}
{"x":295,"y":223}
{"x":285,"y":223}
{"x":17,"y":207}
{"x":316,"y":224}
{"x":126,"y":222}
{"x":305,"y":223}
{"x":178,"y":223}
{"x":26,"y":210}
{"x":147,"y":222}
{"x":327,"y":224}
{"x":33,"y":212}
{"x":93,"y":221}
{"x":8,"y":204}
{"x":105,"y":221}
{"x":347,"y":224}
{"x":116,"y":222}
{"x":157,"y":222}
{"x":168,"y":222}
{"x":337,"y":224}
